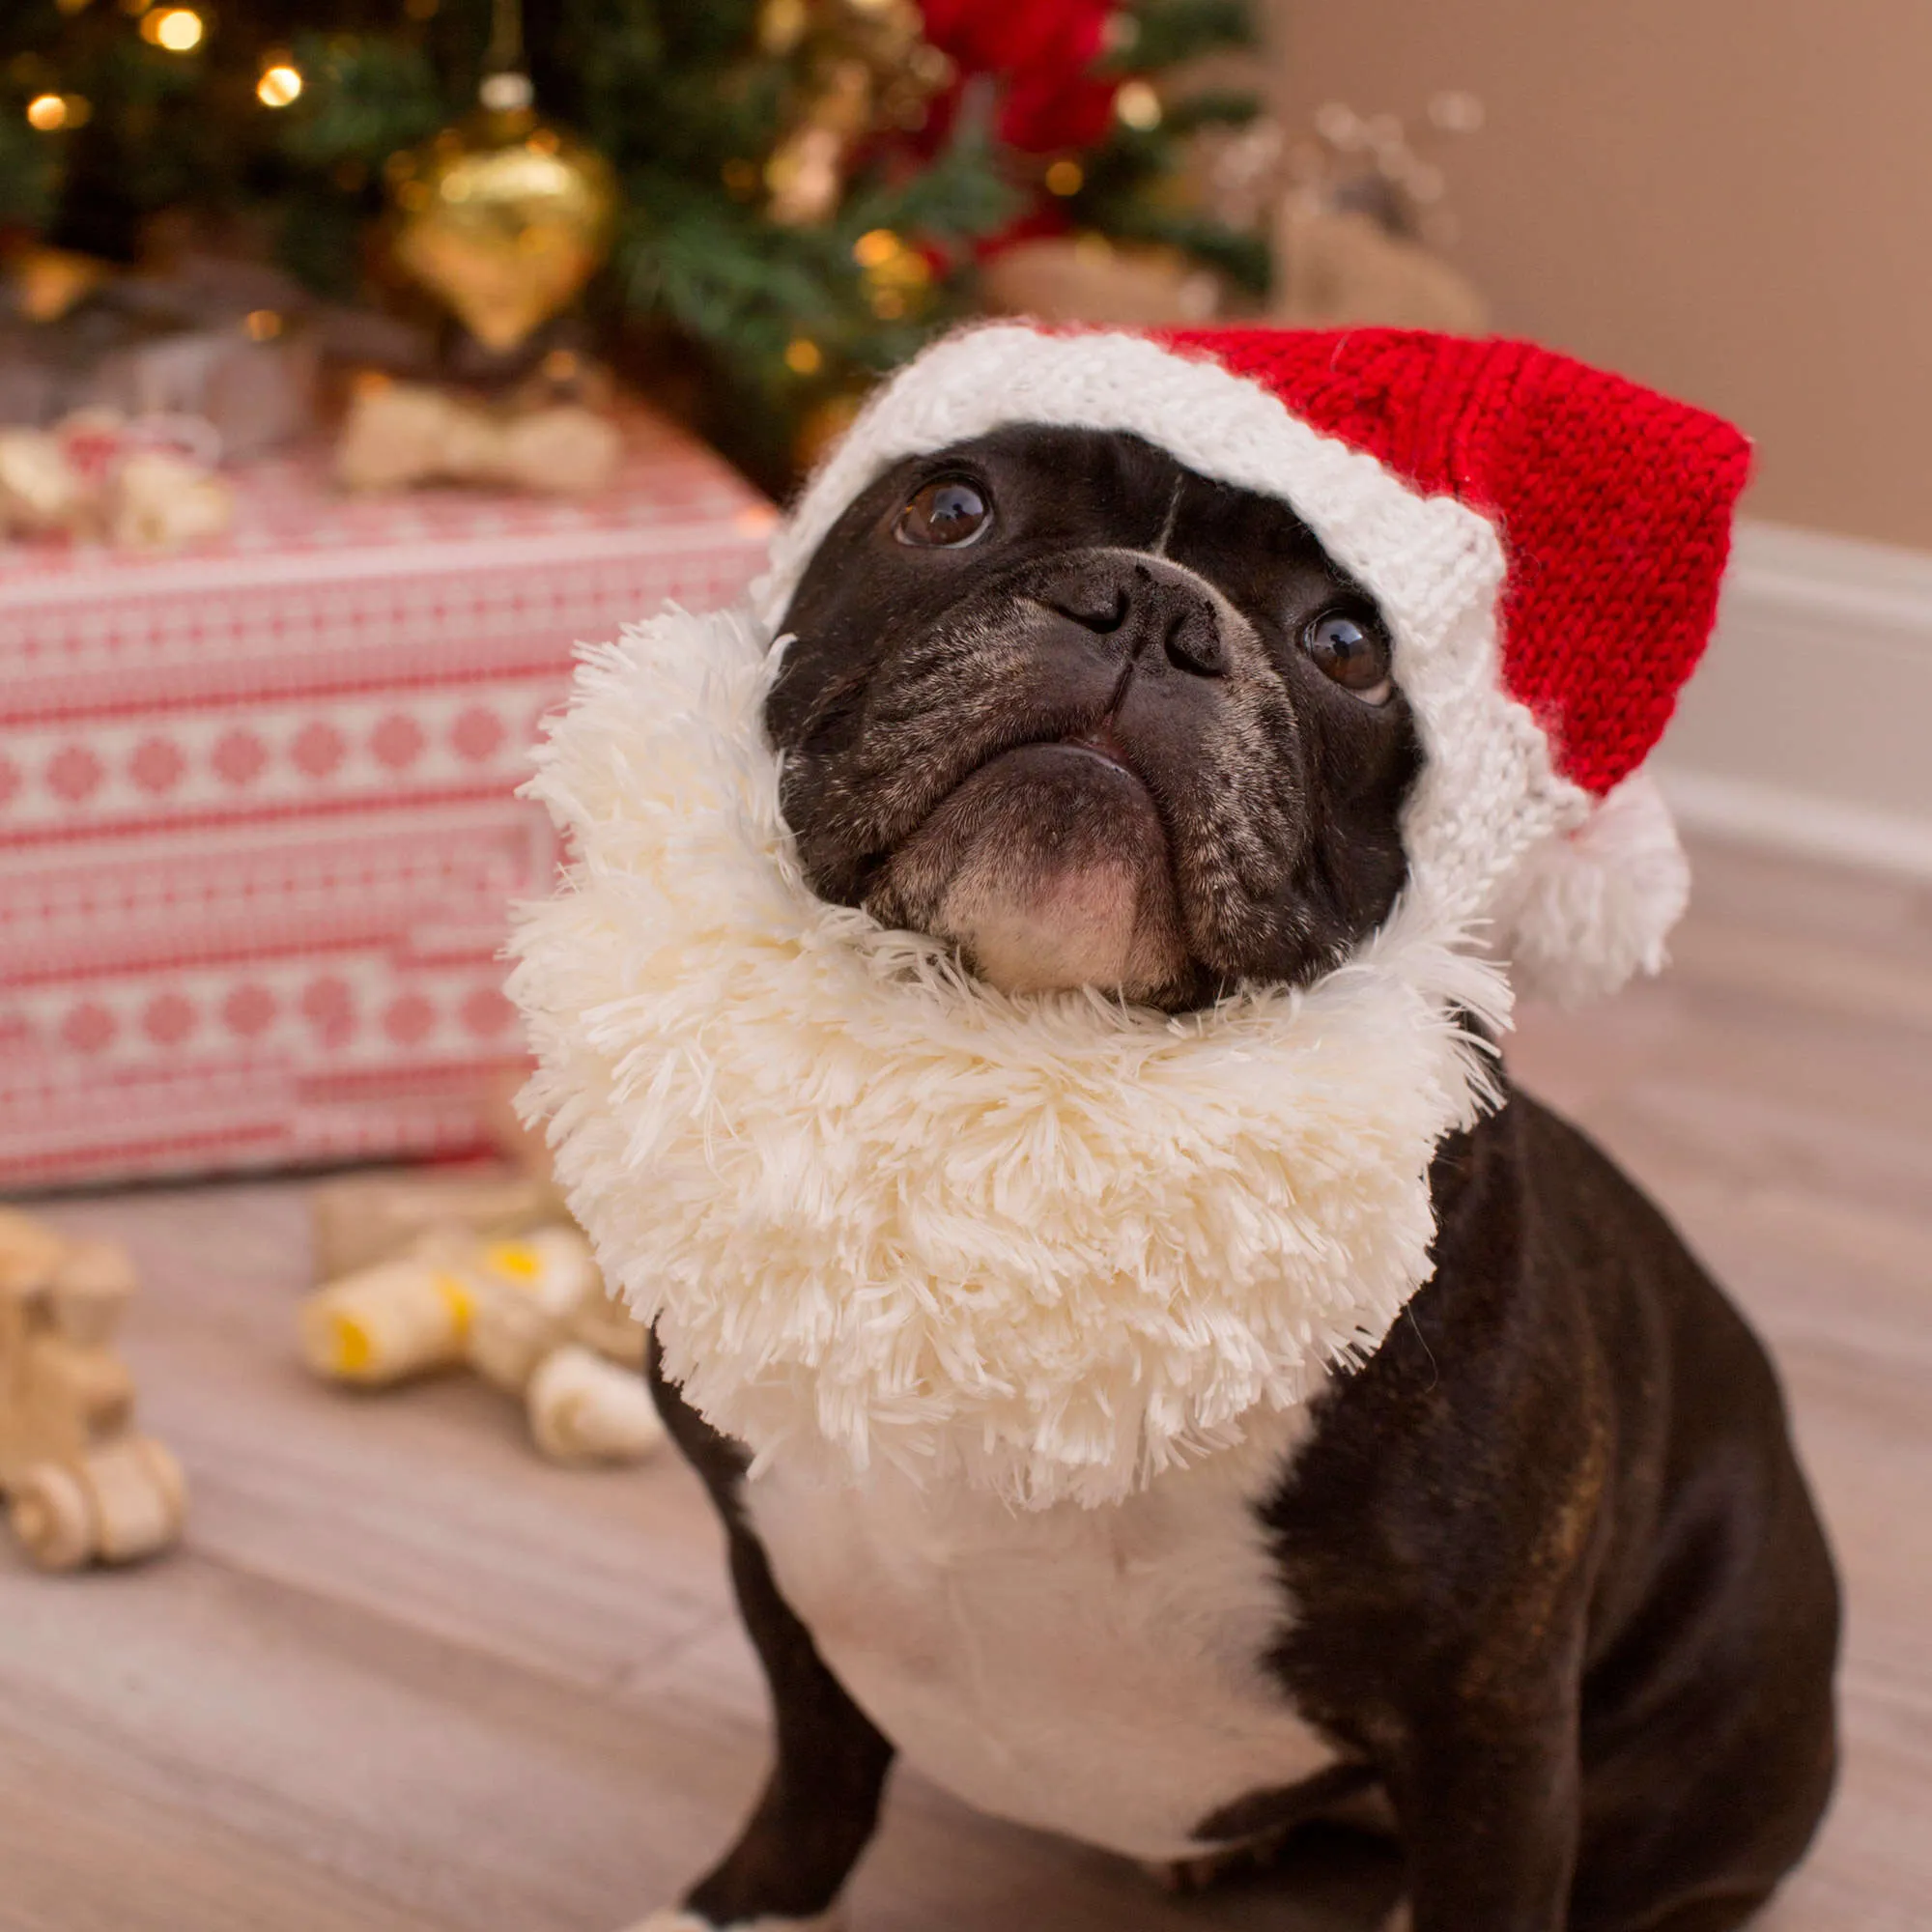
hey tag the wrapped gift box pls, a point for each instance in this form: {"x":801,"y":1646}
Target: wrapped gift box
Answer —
{"x":258,"y":829}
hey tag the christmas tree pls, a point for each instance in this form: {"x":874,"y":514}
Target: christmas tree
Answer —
{"x":801,"y":190}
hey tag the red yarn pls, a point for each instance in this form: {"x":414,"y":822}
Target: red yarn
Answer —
{"x":1614,"y":503}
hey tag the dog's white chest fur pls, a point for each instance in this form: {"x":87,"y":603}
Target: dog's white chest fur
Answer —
{"x":1097,"y":1672}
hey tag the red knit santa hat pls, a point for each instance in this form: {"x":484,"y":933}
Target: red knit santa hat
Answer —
{"x":1546,"y":541}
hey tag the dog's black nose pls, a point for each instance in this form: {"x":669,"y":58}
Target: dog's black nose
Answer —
{"x":1144,"y":603}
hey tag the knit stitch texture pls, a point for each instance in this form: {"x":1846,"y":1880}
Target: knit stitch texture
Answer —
{"x":1614,"y":503}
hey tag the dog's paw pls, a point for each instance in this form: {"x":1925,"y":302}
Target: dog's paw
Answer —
{"x":676,"y":1918}
{"x":1187,"y":1876}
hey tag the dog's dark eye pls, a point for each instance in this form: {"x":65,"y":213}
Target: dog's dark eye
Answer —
{"x":944,"y":515}
{"x":1354,"y":652}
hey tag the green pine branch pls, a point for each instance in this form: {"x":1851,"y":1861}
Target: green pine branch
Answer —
{"x":1167,"y":32}
{"x":682,"y":100}
{"x":30,"y":167}
{"x":363,"y":100}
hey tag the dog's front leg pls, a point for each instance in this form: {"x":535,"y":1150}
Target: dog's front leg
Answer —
{"x":821,"y":1803}
{"x":1487,"y":1807}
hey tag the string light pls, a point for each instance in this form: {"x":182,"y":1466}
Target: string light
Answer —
{"x":1138,"y":105}
{"x":47,"y":113}
{"x":280,"y":85}
{"x":177,"y":29}
{"x":1065,"y":177}
{"x":803,"y":356}
{"x":895,"y":276}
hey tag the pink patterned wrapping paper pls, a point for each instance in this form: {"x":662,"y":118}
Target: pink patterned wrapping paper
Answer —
{"x":257,"y":822}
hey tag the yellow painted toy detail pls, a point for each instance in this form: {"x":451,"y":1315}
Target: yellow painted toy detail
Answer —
{"x":526,"y":1310}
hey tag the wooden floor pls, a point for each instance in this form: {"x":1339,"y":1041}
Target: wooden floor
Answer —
{"x":404,"y":1676}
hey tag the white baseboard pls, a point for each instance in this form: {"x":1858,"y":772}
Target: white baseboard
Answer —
{"x":1809,"y":725}
{"x":1790,"y":821}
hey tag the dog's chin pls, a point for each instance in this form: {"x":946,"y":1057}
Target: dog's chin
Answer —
{"x":1049,"y":868}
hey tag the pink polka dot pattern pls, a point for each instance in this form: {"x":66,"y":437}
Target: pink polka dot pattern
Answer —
{"x":397,"y":741}
{"x":167,"y":1019}
{"x":329,"y":1007}
{"x":258,"y":807}
{"x":485,"y":1012}
{"x":318,"y":748}
{"x":157,"y":765}
{"x":476,"y":734}
{"x":239,"y":758}
{"x":408,"y":1019}
{"x":249,"y":1010}
{"x":89,"y":1028}
{"x":72,"y":773}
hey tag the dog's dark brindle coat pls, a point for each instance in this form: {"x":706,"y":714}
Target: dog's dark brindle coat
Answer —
{"x":1560,"y":1593}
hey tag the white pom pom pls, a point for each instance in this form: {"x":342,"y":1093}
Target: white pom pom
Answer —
{"x":1588,"y":908}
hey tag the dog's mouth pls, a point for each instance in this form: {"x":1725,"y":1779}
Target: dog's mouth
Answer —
{"x":1051,"y":864}
{"x":1099,"y":742}
{"x":1103,"y":742}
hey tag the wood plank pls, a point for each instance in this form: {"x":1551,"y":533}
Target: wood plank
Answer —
{"x":405,"y":1677}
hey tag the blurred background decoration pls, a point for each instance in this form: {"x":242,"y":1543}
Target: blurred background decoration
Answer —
{"x":1357,"y":213}
{"x":750,"y":208}
{"x":357,"y":356}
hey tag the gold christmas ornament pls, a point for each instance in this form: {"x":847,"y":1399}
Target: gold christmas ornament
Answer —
{"x":867,"y":66}
{"x":503,"y":219}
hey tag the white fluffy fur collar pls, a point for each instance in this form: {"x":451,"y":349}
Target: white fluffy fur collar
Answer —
{"x":880,"y":1210}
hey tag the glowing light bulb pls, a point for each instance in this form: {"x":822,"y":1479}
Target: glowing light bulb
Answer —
{"x":46,"y":112}
{"x":178,"y":29}
{"x":280,"y":85}
{"x":1065,"y":176}
{"x":803,"y":357}
{"x":1138,"y":105}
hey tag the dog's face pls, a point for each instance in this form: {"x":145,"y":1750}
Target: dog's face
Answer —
{"x":1096,"y":718}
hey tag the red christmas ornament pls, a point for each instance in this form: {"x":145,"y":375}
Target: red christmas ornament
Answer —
{"x":1043,"y":52}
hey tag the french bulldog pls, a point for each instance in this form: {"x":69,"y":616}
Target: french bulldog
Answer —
{"x":1538,"y":1585}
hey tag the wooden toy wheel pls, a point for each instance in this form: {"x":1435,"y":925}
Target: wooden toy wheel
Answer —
{"x":115,"y":1505}
{"x":51,"y":1516}
{"x":138,"y":1496}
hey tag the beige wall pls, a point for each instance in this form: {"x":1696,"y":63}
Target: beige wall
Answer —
{"x":1730,"y":199}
